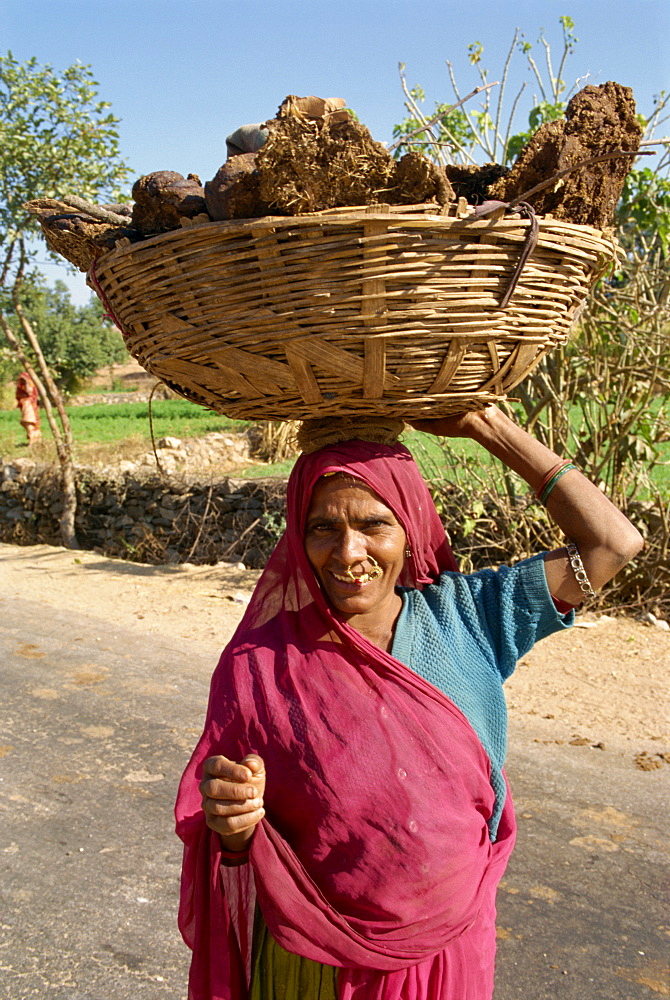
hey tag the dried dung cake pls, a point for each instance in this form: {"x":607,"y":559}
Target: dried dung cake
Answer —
{"x":234,"y":193}
{"x":78,"y":236}
{"x":598,"y":120}
{"x":417,"y":179}
{"x":309,"y":165}
{"x":314,"y":156}
{"x":163,"y":198}
{"x":472,"y":182}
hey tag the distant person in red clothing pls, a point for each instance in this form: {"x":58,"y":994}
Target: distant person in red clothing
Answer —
{"x":27,"y":402}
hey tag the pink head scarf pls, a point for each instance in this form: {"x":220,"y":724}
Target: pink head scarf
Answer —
{"x":374,"y":854}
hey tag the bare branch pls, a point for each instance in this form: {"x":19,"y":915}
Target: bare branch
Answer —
{"x":475,"y":129}
{"x":412,"y":106}
{"x":501,"y":92}
{"x":438,"y":118}
{"x":511,"y":119}
{"x":538,"y":76}
{"x":97,"y":211}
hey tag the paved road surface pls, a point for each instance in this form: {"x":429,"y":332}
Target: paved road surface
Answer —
{"x":97,"y":724}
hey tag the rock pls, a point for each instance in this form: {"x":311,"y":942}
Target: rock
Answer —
{"x":169,"y":442}
{"x":650,"y":619}
{"x":168,"y":513}
{"x":23,"y":465}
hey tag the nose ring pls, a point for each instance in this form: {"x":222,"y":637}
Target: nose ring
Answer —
{"x":374,"y":574}
{"x":376,"y":570}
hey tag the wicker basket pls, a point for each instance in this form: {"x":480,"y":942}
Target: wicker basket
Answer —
{"x":382,"y":310}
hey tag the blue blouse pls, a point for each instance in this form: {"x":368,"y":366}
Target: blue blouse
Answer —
{"x":465,"y":633}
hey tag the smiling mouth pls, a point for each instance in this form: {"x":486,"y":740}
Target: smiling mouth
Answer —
{"x":352,"y":578}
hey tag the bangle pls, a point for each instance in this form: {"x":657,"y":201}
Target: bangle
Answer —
{"x":578,"y":569}
{"x":547,"y":477}
{"x":232,"y":859}
{"x":548,"y":486}
{"x":552,"y":472}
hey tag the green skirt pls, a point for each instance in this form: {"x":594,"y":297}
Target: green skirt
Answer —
{"x":277,"y":974}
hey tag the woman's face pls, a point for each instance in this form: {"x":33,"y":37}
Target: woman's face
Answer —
{"x":349,"y":528}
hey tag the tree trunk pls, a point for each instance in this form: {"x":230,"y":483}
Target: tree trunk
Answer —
{"x":48,"y":392}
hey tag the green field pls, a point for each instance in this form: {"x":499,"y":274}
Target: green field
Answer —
{"x":104,"y":423}
{"x":108,"y":431}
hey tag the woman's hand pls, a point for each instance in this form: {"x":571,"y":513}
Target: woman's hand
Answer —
{"x":232,"y":798}
{"x":458,"y":425}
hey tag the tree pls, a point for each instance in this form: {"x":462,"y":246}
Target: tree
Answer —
{"x":56,"y":138}
{"x":75,"y":340}
{"x":455,"y":133}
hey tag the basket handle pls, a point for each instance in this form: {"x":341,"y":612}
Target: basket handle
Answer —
{"x":529,"y":244}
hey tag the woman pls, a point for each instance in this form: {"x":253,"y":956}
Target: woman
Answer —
{"x":345,"y":814}
{"x":27,"y":402}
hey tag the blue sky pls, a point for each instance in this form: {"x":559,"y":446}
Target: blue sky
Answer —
{"x":182,"y":74}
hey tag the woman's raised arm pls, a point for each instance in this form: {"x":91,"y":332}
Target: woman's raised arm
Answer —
{"x":605,"y":538}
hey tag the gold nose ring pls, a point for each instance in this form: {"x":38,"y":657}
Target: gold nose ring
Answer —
{"x":375,"y":573}
{"x":376,"y":570}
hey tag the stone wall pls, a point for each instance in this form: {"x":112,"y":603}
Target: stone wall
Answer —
{"x":142,"y":516}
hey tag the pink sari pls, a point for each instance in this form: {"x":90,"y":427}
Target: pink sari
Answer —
{"x":374,"y":854}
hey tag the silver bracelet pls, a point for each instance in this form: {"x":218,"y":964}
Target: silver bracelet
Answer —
{"x":578,"y":569}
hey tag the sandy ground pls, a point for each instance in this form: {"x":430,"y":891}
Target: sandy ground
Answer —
{"x":603,"y":684}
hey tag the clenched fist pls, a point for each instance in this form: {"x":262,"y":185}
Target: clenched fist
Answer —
{"x":232,"y":798}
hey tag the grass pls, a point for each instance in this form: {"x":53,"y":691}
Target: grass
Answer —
{"x":109,"y":425}
{"x":174,"y":417}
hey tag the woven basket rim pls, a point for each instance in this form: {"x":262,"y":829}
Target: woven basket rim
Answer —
{"x":379,"y":327}
{"x":392,"y":214}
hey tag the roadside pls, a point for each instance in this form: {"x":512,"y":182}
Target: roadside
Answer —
{"x":605,"y":681}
